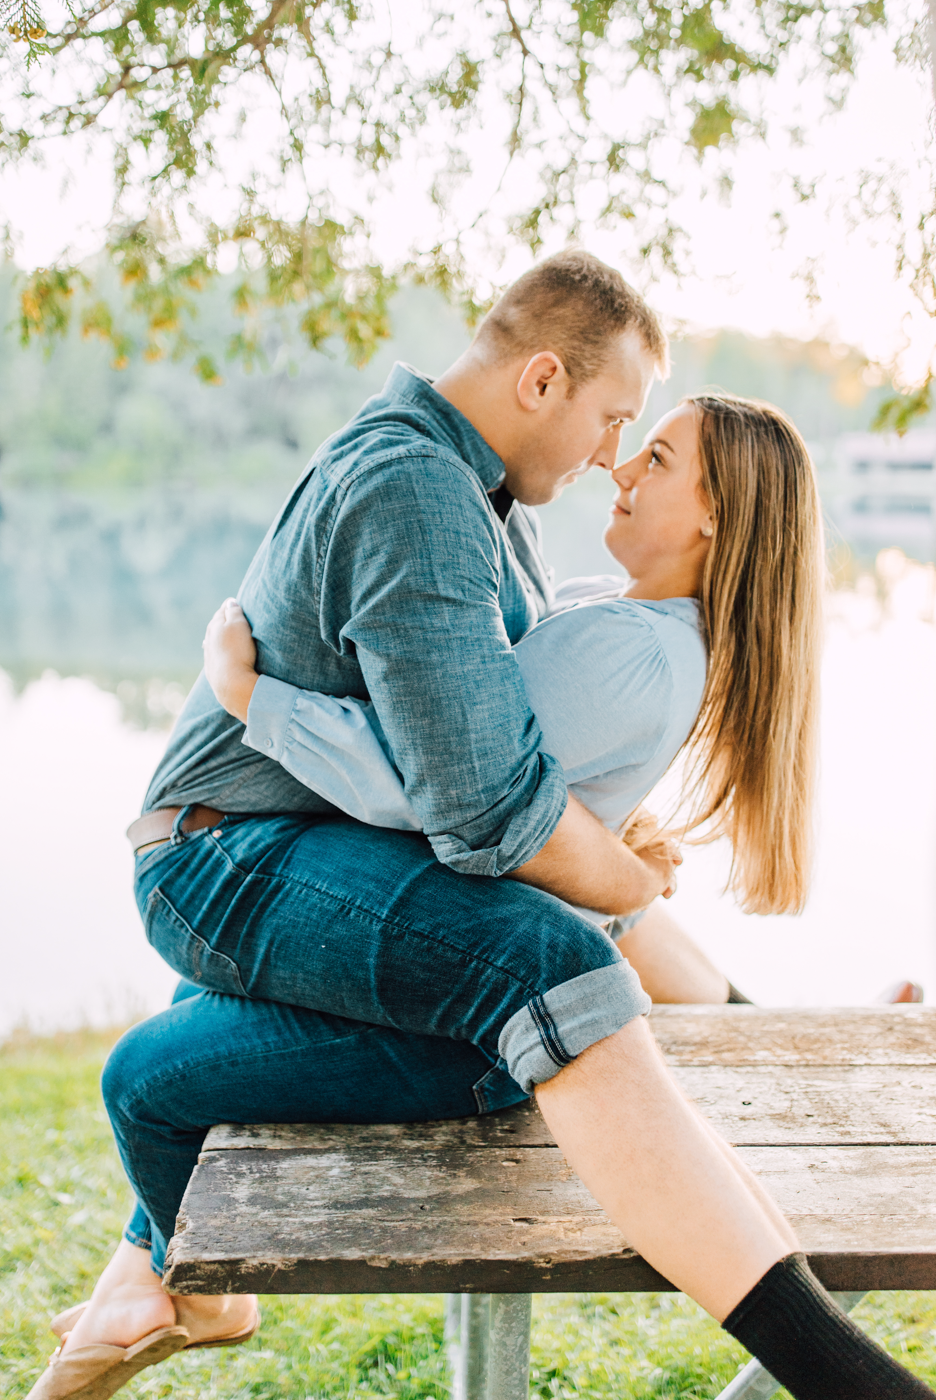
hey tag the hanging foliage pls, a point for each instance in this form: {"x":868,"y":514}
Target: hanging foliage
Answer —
{"x":263,"y":136}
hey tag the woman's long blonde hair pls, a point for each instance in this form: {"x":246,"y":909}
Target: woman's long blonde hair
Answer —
{"x":751,"y":757}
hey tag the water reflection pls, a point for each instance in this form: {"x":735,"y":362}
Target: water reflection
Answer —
{"x":74,"y":774}
{"x":121,"y":590}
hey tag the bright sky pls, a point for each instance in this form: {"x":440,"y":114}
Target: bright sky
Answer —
{"x":744,"y":273}
{"x":749,"y":277}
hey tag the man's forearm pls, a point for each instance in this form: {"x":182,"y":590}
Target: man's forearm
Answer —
{"x":585,"y":863}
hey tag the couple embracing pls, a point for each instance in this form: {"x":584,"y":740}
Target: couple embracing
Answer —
{"x":384,"y":847}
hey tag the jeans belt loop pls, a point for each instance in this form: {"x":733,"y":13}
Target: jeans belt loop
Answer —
{"x":177,"y":835}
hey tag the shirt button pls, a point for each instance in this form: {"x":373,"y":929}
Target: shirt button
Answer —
{"x":269,"y":743}
{"x":216,"y":833}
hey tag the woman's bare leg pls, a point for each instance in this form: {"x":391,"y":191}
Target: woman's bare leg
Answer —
{"x":675,"y":1191}
{"x":670,"y":966}
{"x":748,"y":1179}
{"x":128,"y":1302}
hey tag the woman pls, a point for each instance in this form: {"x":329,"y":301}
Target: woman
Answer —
{"x":720,"y":505}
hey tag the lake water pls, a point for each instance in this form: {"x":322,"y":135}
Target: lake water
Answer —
{"x":74,"y":772}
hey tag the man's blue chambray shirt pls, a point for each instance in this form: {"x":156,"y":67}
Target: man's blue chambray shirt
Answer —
{"x":388,"y":574}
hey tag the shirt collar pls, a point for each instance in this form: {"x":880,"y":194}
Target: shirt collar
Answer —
{"x":445,"y":422}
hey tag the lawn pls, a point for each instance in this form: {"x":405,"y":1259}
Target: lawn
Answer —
{"x":63,"y":1199}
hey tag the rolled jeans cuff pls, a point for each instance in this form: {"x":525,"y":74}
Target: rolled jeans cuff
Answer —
{"x":556,"y":1026}
{"x":138,"y":1231}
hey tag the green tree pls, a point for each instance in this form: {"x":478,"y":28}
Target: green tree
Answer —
{"x":269,"y":128}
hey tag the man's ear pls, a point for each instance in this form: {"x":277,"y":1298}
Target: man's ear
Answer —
{"x":543,"y":380}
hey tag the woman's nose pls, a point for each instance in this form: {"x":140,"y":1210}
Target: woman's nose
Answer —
{"x":628,"y":473}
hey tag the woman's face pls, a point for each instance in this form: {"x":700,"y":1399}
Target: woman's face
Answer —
{"x":661,"y":523}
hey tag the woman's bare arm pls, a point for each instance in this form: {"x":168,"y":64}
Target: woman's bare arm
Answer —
{"x":582,"y":862}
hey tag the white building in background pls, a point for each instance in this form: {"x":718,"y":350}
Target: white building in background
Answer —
{"x":880,"y":491}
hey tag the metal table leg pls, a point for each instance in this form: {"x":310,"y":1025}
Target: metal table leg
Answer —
{"x":487,"y":1342}
{"x":467,"y":1334}
{"x":487,"y":1339}
{"x":452,"y":1340}
{"x":754,"y":1383}
{"x":509,"y":1352}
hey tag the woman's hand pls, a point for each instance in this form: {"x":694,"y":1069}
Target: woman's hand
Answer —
{"x":231,"y":658}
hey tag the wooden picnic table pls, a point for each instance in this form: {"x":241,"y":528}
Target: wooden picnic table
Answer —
{"x":834,"y":1110}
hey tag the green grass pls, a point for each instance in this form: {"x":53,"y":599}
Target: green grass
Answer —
{"x":63,"y":1200}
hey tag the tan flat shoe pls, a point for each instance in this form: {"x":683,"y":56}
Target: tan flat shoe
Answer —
{"x":63,"y":1323}
{"x":98,"y":1372}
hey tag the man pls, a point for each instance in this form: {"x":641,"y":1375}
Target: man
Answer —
{"x":403,"y":567}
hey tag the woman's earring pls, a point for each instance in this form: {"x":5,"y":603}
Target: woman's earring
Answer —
{"x":707,"y":531}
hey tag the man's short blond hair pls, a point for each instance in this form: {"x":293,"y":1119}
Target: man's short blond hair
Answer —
{"x":575,"y":306}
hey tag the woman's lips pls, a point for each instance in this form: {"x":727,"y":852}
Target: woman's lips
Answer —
{"x":618,"y":509}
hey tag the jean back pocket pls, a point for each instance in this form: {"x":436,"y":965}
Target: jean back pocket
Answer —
{"x":186,"y":953}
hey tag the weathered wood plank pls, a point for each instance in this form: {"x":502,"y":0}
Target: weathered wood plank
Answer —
{"x":812,"y":1106}
{"x":746,"y":1035}
{"x":467,"y":1220}
{"x":752,"y":1104}
{"x":520,"y":1127}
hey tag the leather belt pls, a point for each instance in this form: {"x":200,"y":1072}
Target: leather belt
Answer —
{"x":157,"y":826}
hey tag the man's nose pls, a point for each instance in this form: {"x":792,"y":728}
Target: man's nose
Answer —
{"x":607,"y":449}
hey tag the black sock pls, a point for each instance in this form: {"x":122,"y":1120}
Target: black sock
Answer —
{"x":789,"y":1322}
{"x":737,"y":998}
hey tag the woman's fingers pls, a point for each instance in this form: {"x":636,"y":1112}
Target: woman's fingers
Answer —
{"x":219,"y":618}
{"x":230,"y":658}
{"x":652,"y":843}
{"x":641,"y":830}
{"x":229,"y":638}
{"x":230,"y":612}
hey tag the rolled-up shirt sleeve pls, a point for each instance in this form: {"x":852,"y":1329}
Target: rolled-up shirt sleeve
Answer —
{"x":421,"y":612}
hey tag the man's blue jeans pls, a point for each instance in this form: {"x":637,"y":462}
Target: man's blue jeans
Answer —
{"x":365,"y":925}
{"x":212,"y":1059}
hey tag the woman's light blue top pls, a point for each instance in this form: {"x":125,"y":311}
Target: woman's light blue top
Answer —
{"x":614,"y":682}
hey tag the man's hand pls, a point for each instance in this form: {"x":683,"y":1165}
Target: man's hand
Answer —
{"x":230,"y":659}
{"x":647,"y":839}
{"x":663,"y":866}
{"x":585,"y":863}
